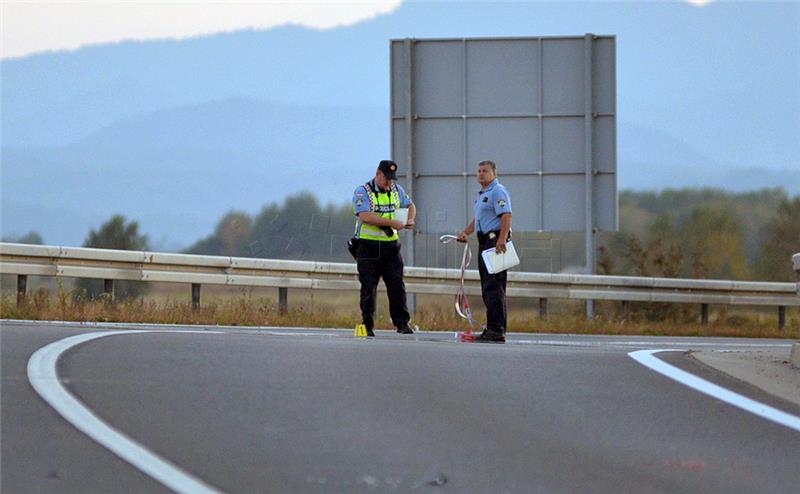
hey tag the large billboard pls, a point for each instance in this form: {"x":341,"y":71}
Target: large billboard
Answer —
{"x":542,"y":108}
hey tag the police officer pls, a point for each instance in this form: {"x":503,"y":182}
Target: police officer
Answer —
{"x":378,"y":250}
{"x":492,"y":222}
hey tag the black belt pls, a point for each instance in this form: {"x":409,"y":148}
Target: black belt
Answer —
{"x":490,"y":235}
{"x":384,"y":243}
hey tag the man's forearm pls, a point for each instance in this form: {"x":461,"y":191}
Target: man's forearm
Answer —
{"x":412,"y":212}
{"x":470,"y":228}
{"x":505,"y":225}
{"x":374,"y":219}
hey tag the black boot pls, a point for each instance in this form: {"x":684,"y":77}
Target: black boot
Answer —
{"x":405,"y":329}
{"x":490,"y":336}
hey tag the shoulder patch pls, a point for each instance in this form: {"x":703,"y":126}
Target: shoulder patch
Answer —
{"x":501,"y":203}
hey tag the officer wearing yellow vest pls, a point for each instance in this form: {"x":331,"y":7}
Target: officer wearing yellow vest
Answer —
{"x":377,"y":251}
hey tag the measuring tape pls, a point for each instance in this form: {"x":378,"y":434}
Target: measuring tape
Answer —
{"x":462,"y":302}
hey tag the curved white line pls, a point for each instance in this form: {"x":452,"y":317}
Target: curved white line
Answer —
{"x":44,"y":379}
{"x":646,"y":358}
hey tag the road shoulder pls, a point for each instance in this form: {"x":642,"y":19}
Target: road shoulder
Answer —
{"x":767,"y":369}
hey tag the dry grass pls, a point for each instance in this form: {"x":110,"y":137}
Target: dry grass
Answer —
{"x":340,"y":309}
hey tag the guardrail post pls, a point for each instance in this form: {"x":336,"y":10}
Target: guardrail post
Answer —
{"x":108,"y":289}
{"x":626,"y":309}
{"x":781,"y":316}
{"x":283,"y":300}
{"x":542,"y":308}
{"x":704,"y":314}
{"x":195,"y":296}
{"x":22,"y":288}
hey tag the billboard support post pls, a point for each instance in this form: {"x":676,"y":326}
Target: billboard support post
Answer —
{"x":408,"y":46}
{"x":588,"y":118}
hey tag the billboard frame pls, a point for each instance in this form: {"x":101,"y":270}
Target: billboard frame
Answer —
{"x":405,"y":151}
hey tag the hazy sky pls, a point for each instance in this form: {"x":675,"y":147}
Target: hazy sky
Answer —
{"x":33,"y":26}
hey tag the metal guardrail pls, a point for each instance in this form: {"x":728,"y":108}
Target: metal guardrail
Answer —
{"x":796,"y":268}
{"x":110,"y":265}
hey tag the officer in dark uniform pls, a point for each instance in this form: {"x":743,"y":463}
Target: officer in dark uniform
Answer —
{"x":377,"y":249}
{"x":492,"y":222}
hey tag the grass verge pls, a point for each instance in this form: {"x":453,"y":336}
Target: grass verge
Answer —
{"x":256,"y":311}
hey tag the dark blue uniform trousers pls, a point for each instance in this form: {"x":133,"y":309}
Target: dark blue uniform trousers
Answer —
{"x":493,"y":288}
{"x":376,"y":260}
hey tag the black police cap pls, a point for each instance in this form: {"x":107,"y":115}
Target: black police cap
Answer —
{"x":389,"y":169}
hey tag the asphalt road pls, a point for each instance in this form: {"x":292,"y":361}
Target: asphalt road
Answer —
{"x":321,"y":411}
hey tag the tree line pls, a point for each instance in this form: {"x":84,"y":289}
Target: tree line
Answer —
{"x":690,"y":233}
{"x":704,"y":233}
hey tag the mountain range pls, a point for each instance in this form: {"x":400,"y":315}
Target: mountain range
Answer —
{"x":175,"y":133}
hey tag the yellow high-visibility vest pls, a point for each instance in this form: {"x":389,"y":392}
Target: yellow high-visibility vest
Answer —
{"x":385,"y":204}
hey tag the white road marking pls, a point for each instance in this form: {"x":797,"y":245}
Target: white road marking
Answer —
{"x":648,"y":343}
{"x":150,"y":325}
{"x":646,"y":358}
{"x":446,"y":336}
{"x":44,"y":379}
{"x":296,"y":333}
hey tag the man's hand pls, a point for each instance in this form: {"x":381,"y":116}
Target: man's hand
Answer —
{"x":410,"y":224}
{"x":397,"y":224}
{"x":500,"y":246}
{"x":462,"y":237}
